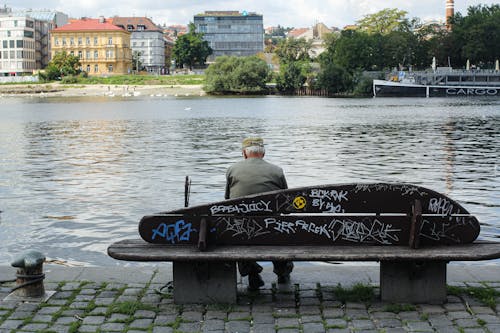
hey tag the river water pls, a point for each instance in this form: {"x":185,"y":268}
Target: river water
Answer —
{"x":77,"y":174}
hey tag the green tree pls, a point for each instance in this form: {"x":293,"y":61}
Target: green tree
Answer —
{"x":136,"y":61}
{"x":476,"y":36}
{"x":241,"y":75}
{"x":293,"y":49}
{"x":190,"y":49}
{"x":384,"y":21}
{"x":62,"y":64}
{"x":334,"y":78}
{"x":292,"y":76}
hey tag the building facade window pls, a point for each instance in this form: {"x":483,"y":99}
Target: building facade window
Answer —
{"x":96,"y":68}
{"x":87,"y":40}
{"x":79,"y":40}
{"x":80,"y":54}
{"x":56,"y":41}
{"x":96,"y":54}
{"x":88,"y":68}
{"x":96,"y":41}
{"x":110,"y":68}
{"x":87,"y":54}
{"x":110,"y":40}
{"x":64,"y":41}
{"x":71,"y":41}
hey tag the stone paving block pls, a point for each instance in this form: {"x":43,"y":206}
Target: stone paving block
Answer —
{"x":309,"y":310}
{"x":284,"y":312}
{"x":447,"y":329}
{"x":287,"y":322}
{"x":34,"y":327}
{"x":331,"y":304}
{"x":493,"y":328}
{"x":103,"y":301}
{"x":42,"y":318}
{"x":88,"y":328}
{"x":88,"y":291}
{"x":73,"y":312}
{"x":310,"y":318}
{"x":458,"y":315}
{"x":114,"y":286}
{"x":388,"y":322}
{"x":355,"y":305}
{"x":237,"y":316}
{"x":132,"y":291}
{"x":394,"y":330}
{"x":421,"y":326}
{"x":362,"y":324}
{"x":189,"y":327}
{"x":62,"y":295}
{"x":263,"y":328}
{"x":357,"y":314}
{"x":54,"y":301}
{"x":65,"y":320}
{"x":141,"y":323}
{"x":336,"y":323}
{"x":309,"y":301}
{"x":427,"y":308}
{"x":482,"y":310}
{"x":20,"y":315}
{"x":409,"y":315}
{"x":144,"y":314}
{"x":263,"y":318}
{"x":84,"y":298}
{"x":383,"y":315}
{"x":489,"y":319}
{"x":108,"y":294}
{"x":466,"y":323}
{"x":210,"y":314}
{"x":454,"y":307}
{"x":113,"y":327}
{"x":117,"y":317}
{"x":27,"y":307}
{"x":267,"y":308}
{"x":70,"y":286}
{"x":126,"y":298}
{"x":11,"y":324}
{"x":439,"y":320}
{"x":163,"y":329}
{"x":49,"y":310}
{"x":93,"y":320}
{"x":151,"y":299}
{"x":313,"y":328}
{"x":213,"y":325}
{"x":333,"y":313}
{"x":79,"y":305}
{"x":59,"y":329}
{"x":99,"y":311}
{"x":165,"y":319}
{"x":473,"y":330}
{"x":337,"y":330}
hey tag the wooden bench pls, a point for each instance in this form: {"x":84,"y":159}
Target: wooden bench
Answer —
{"x":412,"y":231}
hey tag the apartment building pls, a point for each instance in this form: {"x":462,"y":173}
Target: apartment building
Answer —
{"x":146,"y":41}
{"x":24,"y":39}
{"x":231,"y":33}
{"x":103,"y":48}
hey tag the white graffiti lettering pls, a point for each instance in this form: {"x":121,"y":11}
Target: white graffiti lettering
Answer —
{"x":439,"y":231}
{"x":327,"y":206}
{"x":331,"y":195}
{"x":404,"y":189}
{"x":440,"y":206}
{"x":244,"y":227}
{"x":360,"y":232}
{"x":242,"y":208}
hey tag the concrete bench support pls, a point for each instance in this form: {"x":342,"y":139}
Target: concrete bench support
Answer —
{"x":204,"y":282}
{"x":413,"y":281}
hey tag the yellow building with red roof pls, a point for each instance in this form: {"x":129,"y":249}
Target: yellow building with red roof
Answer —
{"x":103,"y":48}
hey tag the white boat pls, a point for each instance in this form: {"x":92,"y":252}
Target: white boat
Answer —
{"x":443,"y":82}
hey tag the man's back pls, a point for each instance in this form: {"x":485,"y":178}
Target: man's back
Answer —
{"x":253,"y":175}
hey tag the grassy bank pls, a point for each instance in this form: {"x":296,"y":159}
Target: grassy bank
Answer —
{"x":139,"y":80}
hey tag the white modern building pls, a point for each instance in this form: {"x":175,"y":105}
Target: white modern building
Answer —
{"x":24,"y":39}
{"x":146,"y":40}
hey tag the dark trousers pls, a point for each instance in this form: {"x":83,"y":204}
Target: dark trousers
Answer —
{"x":281,"y":268}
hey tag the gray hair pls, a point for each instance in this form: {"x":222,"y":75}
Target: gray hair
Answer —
{"x":255,"y":150}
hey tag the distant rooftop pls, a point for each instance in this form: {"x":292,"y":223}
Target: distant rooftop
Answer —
{"x":135,"y":23}
{"x":227,"y":13}
{"x":88,"y":24}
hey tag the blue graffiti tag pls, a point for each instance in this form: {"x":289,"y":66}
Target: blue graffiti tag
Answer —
{"x":180,"y":231}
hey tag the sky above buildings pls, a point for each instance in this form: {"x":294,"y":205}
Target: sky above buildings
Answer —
{"x":287,"y":13}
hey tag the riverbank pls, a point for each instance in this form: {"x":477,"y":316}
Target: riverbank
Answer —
{"x":92,"y":90}
{"x":119,"y":299}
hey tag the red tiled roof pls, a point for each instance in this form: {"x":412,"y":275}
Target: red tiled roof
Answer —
{"x":297,"y":32}
{"x":88,"y":24}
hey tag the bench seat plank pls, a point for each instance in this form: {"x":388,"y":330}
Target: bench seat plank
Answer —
{"x":139,"y":250}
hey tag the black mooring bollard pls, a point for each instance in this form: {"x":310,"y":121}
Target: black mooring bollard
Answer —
{"x":29,"y":282}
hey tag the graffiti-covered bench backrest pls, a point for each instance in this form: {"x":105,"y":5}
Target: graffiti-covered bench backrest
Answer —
{"x":378,"y":213}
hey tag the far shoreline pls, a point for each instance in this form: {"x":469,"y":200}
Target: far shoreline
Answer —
{"x":94,"y":90}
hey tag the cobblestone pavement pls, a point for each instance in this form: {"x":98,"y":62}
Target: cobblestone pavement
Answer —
{"x":138,"y":307}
